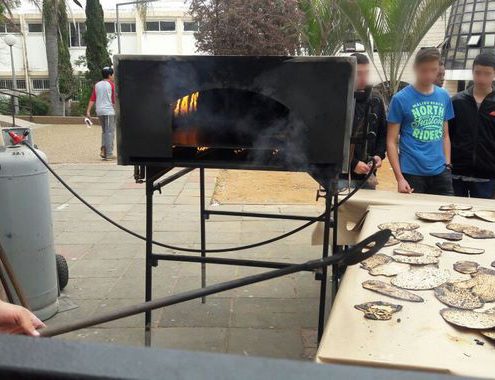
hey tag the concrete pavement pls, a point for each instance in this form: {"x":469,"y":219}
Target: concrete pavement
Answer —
{"x":274,"y":319}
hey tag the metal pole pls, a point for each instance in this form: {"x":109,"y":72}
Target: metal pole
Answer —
{"x":14,"y":81}
{"x":202,"y":227}
{"x":354,"y":256}
{"x":149,"y":259}
{"x":118,"y":27}
{"x":335,"y":267}
{"x":324,"y":271}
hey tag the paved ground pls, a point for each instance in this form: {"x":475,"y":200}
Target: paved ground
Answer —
{"x":274,"y":319}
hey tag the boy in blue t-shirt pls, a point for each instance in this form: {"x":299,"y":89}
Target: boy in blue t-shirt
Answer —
{"x":418,"y":114}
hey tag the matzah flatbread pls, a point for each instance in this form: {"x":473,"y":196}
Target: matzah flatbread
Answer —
{"x":391,"y":291}
{"x":422,"y":278}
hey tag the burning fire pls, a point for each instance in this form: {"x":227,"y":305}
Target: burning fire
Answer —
{"x":239,"y":151}
{"x":202,"y":149}
{"x":186,"y":104}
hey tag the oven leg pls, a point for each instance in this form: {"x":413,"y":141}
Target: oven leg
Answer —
{"x":202,"y":226}
{"x":324,"y":272}
{"x":335,"y":247}
{"x":149,"y":259}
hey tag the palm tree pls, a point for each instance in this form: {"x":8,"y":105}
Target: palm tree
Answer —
{"x":325,"y":28}
{"x":394,"y":28}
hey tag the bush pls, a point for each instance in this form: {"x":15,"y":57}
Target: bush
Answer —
{"x":40,"y":106}
{"x":5,"y":106}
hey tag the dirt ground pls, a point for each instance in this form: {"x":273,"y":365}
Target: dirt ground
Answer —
{"x":79,"y":144}
{"x":265,"y":187}
{"x":69,"y":143}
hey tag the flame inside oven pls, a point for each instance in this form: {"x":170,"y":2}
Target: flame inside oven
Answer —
{"x":186,"y":104}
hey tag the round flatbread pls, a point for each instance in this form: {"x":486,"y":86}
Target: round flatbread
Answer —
{"x":466,"y":267}
{"x":436,"y":216}
{"x":446,"y":246}
{"x":378,"y":310}
{"x":452,"y":236}
{"x":424,"y":249}
{"x":408,"y":236}
{"x":460,"y":298}
{"x":391,"y":241}
{"x":469,"y":318}
{"x":416,"y":260}
{"x":455,"y":207}
{"x":468,"y":251}
{"x":402,"y":252}
{"x":395,"y":226}
{"x":490,"y":334}
{"x":375,"y":260}
{"x":389,"y":269}
{"x":421,"y":278}
{"x":482,"y":284}
{"x":479,"y":233}
{"x":391,"y":291}
{"x":458,"y":227}
{"x":487,"y":215}
{"x":465,"y":214}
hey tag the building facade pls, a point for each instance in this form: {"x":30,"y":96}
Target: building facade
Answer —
{"x":471,"y":30}
{"x":167,"y":29}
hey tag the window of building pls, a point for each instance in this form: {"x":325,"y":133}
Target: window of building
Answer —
{"x":10,"y":28}
{"x":190,"y":26}
{"x":474,"y":40}
{"x":76,"y":34}
{"x":35,"y":27}
{"x":6,"y":84}
{"x":110,"y":27}
{"x":127,"y":27}
{"x":472,"y":53}
{"x":159,"y":26}
{"x":41,"y":84}
{"x":489,"y":40}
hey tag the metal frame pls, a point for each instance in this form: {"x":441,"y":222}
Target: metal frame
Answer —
{"x":155,"y":180}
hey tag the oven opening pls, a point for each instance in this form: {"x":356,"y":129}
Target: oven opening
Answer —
{"x":241,"y":124}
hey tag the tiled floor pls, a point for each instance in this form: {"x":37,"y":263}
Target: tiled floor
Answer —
{"x":274,"y":319}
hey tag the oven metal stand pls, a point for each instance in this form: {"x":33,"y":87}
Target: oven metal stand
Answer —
{"x":155,"y":180}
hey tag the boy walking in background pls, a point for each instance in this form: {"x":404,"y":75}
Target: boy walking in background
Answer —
{"x":103,"y":97}
{"x":473,"y":133}
{"x":418,"y":114}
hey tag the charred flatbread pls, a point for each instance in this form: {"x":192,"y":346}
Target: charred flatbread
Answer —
{"x":391,"y":241}
{"x":391,"y":291}
{"x":482,"y":284}
{"x":408,"y":236}
{"x":466,"y":267}
{"x":389,"y":269}
{"x":416,"y":260}
{"x":424,"y":249}
{"x":375,"y":260}
{"x":378,"y":310}
{"x":479,"y":233}
{"x":468,"y":318}
{"x":446,"y":216}
{"x":487,"y":215}
{"x":455,"y":207}
{"x":403,"y":252}
{"x":468,"y":250}
{"x":452,"y":236}
{"x":485,"y":271}
{"x":460,"y":298}
{"x":396,"y":226}
{"x":447,"y":246}
{"x":422,"y":278}
{"x":458,"y":227}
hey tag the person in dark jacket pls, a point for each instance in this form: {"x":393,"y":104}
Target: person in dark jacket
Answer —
{"x":472,"y":133}
{"x":371,"y":109}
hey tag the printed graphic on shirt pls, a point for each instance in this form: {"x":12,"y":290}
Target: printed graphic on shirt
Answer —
{"x":428,"y":121}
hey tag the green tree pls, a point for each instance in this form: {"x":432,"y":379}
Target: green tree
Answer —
{"x":66,"y":79}
{"x":394,"y":28}
{"x":97,"y":55}
{"x":325,"y":28}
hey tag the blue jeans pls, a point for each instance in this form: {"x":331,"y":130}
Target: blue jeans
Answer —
{"x":474,"y":189}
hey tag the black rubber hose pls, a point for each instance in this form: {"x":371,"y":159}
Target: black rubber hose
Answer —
{"x":184,"y":249}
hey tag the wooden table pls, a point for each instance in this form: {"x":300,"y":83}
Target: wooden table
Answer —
{"x":353,"y":212}
{"x":417,"y":337}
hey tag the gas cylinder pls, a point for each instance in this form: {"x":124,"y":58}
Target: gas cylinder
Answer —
{"x":26,"y":229}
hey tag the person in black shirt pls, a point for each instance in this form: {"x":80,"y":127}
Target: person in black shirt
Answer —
{"x":369,"y":109}
{"x":472,"y":133}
